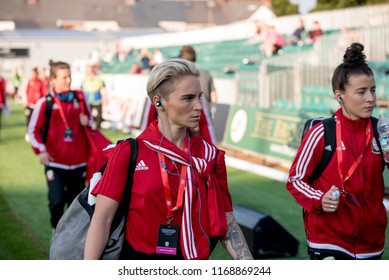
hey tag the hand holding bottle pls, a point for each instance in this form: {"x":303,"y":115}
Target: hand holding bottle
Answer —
{"x":383,"y":131}
{"x":330,"y":200}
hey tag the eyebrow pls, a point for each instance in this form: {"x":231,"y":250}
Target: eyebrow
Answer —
{"x":364,"y":88}
{"x":192,"y":94}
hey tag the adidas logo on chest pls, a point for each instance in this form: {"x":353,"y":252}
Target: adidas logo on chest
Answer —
{"x":141,"y":166}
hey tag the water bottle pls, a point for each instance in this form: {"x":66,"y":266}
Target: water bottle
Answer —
{"x":335,"y":193}
{"x":93,"y":182}
{"x":383,"y":131}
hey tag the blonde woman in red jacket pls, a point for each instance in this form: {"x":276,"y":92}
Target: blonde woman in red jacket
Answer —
{"x":350,"y":225}
{"x":180,"y":192}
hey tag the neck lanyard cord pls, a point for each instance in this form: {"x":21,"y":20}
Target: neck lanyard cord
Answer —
{"x":167,"y":189}
{"x":61,"y":111}
{"x":339,"y":153}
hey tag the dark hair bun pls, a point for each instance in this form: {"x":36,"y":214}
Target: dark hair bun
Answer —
{"x":354,"y":55}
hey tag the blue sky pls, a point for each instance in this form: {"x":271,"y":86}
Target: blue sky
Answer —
{"x":304,"y":5}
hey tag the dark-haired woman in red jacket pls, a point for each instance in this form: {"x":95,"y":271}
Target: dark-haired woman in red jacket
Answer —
{"x":64,"y":151}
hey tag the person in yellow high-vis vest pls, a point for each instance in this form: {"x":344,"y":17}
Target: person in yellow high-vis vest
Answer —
{"x":93,"y":87}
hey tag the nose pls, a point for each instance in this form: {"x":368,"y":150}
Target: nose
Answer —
{"x":371,"y":97}
{"x":198,"y":105}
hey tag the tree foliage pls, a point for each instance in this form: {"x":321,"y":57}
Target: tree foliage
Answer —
{"x":284,"y":7}
{"x":340,"y":4}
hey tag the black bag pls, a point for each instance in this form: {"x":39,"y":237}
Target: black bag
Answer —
{"x":68,"y":240}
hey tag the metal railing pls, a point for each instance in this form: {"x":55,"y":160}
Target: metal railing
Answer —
{"x":283,"y":77}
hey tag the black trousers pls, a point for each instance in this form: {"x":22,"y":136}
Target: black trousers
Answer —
{"x":1,"y":113}
{"x":97,"y":115}
{"x":321,"y":254}
{"x":64,"y":186}
{"x":28,"y":113}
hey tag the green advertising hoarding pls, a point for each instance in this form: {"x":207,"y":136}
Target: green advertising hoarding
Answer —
{"x":275,"y":134}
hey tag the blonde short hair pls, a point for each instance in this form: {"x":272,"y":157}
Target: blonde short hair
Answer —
{"x":162,"y":77}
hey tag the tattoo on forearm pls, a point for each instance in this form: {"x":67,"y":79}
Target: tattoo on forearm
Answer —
{"x":235,"y":240}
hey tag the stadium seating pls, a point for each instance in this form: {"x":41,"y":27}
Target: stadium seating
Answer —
{"x":241,"y":59}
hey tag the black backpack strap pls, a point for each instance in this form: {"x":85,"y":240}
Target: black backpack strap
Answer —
{"x":125,"y":203}
{"x":309,"y":124}
{"x":329,"y":147}
{"x":48,"y":109}
{"x":131,"y":170}
{"x":329,"y":126}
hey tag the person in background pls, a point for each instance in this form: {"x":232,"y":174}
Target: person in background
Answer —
{"x":60,"y":141}
{"x":344,"y":214}
{"x":135,"y":69}
{"x":206,"y":80}
{"x":186,"y":190}
{"x":296,"y":37}
{"x":314,"y":33}
{"x":3,"y":99}
{"x":34,"y":91}
{"x":16,"y":79}
{"x":206,"y":127}
{"x":145,"y":59}
{"x":273,"y":42}
{"x":45,"y":80}
{"x":93,"y":87}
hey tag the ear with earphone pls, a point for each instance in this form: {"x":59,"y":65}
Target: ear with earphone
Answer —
{"x":158,"y":103}
{"x":339,"y":98}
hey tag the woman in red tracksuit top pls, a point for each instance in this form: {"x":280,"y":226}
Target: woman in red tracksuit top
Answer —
{"x":3,"y":98}
{"x":34,"y":91}
{"x":351,"y":225}
{"x":180,"y":200}
{"x":64,"y":152}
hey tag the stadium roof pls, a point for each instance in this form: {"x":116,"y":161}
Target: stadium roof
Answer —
{"x":43,"y":34}
{"x":45,"y":14}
